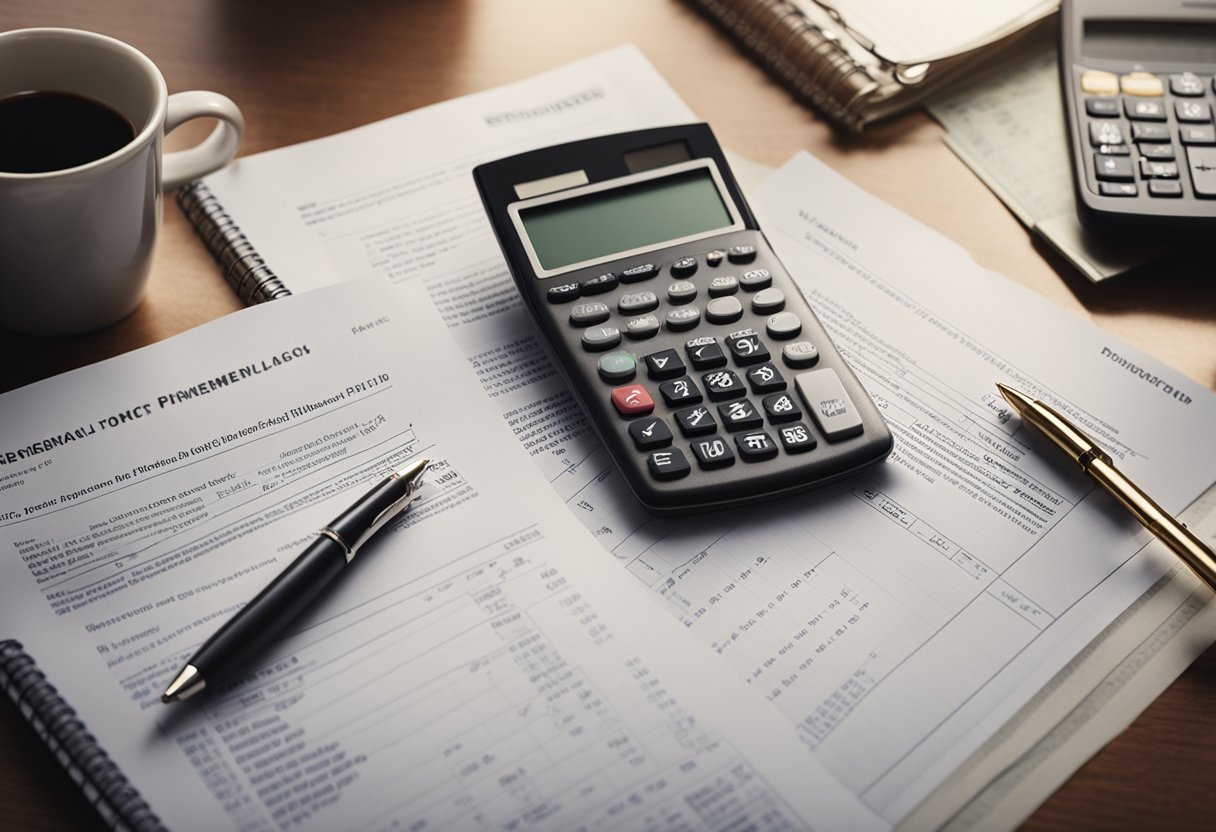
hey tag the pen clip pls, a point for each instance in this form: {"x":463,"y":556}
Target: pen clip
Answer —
{"x":411,"y":478}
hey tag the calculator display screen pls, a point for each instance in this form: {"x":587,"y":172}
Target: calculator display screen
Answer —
{"x":632,"y":217}
{"x":1150,"y":40}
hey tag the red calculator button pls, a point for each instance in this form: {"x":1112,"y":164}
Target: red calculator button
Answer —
{"x":632,"y":400}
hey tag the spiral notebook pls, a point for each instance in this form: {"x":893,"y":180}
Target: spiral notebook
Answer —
{"x":100,"y":780}
{"x":858,"y":61}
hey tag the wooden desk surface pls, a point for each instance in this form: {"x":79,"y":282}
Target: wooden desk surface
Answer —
{"x":307,"y":68}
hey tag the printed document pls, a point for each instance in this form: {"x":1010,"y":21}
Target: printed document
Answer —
{"x":895,"y":620}
{"x":480,"y":664}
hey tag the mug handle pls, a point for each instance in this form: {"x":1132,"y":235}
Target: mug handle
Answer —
{"x":215,"y":151}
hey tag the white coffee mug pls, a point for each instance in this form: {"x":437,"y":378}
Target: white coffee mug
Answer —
{"x":76,"y":244}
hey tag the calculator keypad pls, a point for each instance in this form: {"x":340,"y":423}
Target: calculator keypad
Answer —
{"x":1149,"y":135}
{"x":741,"y":382}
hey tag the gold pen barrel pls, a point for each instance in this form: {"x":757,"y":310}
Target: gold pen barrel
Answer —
{"x":1169,"y":531}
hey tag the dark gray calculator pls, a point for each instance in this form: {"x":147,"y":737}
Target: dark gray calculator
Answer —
{"x":695,"y":357}
{"x":1139,"y":97}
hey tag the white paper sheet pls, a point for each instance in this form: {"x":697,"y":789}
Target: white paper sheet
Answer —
{"x":478,"y":665}
{"x":896,"y":620}
{"x":911,"y":32}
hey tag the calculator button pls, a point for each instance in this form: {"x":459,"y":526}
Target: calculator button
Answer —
{"x":783,"y":326}
{"x":665,"y":364}
{"x":1145,"y":109}
{"x":724,"y":310}
{"x":1164,"y":152}
{"x":599,"y":284}
{"x":756,"y":279}
{"x":650,"y":433}
{"x":1188,"y":83}
{"x":632,"y":303}
{"x":1105,"y":132}
{"x":1113,"y":168}
{"x":1118,"y":189}
{"x":632,"y":400}
{"x":1114,"y":149}
{"x":1165,"y":187}
{"x":684,"y":266}
{"x":564,"y":293}
{"x":618,"y":366}
{"x":781,"y":407}
{"x":739,"y":415}
{"x":1150,"y":169}
{"x":768,"y":300}
{"x":1193,"y":134}
{"x":797,"y":438}
{"x":765,"y":379}
{"x":686,"y":317}
{"x":1142,"y":83}
{"x":1095,"y":82}
{"x":647,"y":326}
{"x":1102,"y":107}
{"x":636,"y":274}
{"x":723,"y":284}
{"x":599,"y":338}
{"x":682,"y":291}
{"x":1202,"y":162}
{"x":670,"y":464}
{"x":713,"y":452}
{"x":722,"y":385}
{"x":829,"y":404}
{"x":586,"y":314}
{"x":747,"y":348}
{"x":1193,"y":111}
{"x":755,"y":446}
{"x":1150,"y":133}
{"x":680,"y":392}
{"x":696,"y":421}
{"x":800,"y":354}
{"x":705,"y":353}
{"x":741,"y":254}
{"x":715,"y":257}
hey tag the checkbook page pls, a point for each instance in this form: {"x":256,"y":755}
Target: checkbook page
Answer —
{"x":481,"y":664}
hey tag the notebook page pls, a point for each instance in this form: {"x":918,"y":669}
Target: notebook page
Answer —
{"x":913,"y":32}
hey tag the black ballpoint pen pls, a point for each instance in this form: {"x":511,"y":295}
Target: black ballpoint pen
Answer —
{"x":295,"y":588}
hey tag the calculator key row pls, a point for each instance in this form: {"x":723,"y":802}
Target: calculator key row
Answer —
{"x":748,"y":351}
{"x":820,"y":390}
{"x":715,"y":451}
{"x":1097,"y":82}
{"x":1148,"y":109}
{"x":1107,"y":136}
{"x":1186,"y":84}
{"x":680,"y":291}
{"x":781,"y":326}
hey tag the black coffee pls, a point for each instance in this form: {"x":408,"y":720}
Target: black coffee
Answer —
{"x":46,"y":131}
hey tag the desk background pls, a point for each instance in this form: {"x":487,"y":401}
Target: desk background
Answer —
{"x":305,"y":68}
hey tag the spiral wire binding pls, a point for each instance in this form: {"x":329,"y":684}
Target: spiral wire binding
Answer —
{"x":104,"y":785}
{"x":808,"y":59}
{"x":240,"y":263}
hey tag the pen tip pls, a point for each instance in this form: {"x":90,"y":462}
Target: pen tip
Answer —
{"x":1020,"y":401}
{"x":413,"y":470}
{"x":188,"y":682}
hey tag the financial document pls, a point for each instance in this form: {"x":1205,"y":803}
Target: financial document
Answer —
{"x":895,"y":620}
{"x":480,"y":664}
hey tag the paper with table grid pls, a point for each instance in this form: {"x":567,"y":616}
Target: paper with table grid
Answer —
{"x":479,"y":665}
{"x":895,"y":620}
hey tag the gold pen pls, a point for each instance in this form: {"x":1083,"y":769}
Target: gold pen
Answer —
{"x":1097,"y":463}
